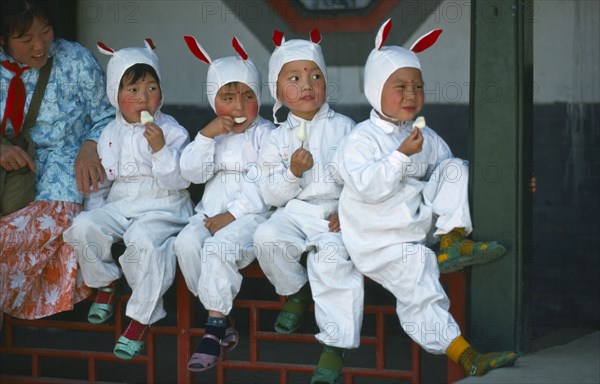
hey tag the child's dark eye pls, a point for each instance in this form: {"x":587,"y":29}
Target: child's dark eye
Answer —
{"x":294,"y":78}
{"x":316,"y":76}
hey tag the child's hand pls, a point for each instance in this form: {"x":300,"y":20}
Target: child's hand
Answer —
{"x":155,"y":137}
{"x":334,"y":222}
{"x":413,"y":143}
{"x":301,"y":162}
{"x":219,"y":126}
{"x":213,"y":224}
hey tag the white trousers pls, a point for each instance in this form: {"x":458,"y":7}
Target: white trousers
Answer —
{"x":211,"y":264}
{"x":410,"y":272}
{"x":337,"y":287}
{"x":148,"y":262}
{"x":447,"y":192}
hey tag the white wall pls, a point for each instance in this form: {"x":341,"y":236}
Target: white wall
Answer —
{"x":566,"y":51}
{"x":122,"y":24}
{"x":566,"y":41}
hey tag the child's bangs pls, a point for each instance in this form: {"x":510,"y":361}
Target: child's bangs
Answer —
{"x":137,"y":72}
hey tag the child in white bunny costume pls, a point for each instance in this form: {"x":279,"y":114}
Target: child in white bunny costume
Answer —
{"x":217,"y":242}
{"x":299,"y":178}
{"x":147,"y":204}
{"x":396,"y":178}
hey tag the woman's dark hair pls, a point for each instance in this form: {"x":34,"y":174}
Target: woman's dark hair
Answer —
{"x":136,"y":72}
{"x":16,"y":17}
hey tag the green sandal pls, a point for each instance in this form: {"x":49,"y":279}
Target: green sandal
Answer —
{"x":323,"y":375}
{"x":450,"y":260}
{"x":493,"y":360}
{"x":287,"y":320}
{"x":128,"y":349}
{"x":100,"y":312}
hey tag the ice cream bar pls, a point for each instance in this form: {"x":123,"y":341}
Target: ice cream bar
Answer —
{"x":239,"y":120}
{"x":301,"y":134}
{"x":419,"y":122}
{"x":146,"y":117}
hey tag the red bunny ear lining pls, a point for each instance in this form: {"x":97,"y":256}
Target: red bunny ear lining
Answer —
{"x":150,"y":43}
{"x":196,"y":49}
{"x":426,"y":41}
{"x":104,"y":47}
{"x":277,"y":38}
{"x":239,"y":48}
{"x":315,"y":36}
{"x":383,"y":33}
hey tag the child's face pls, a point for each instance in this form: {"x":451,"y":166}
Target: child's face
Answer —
{"x":403,"y":95}
{"x":301,"y":88}
{"x":32,"y":47}
{"x":143,"y":95}
{"x":237,"y":100}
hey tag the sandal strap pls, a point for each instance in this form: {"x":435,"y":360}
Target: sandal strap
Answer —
{"x":222,"y":342}
{"x":128,"y":349}
{"x":104,"y":307}
{"x":325,"y":375}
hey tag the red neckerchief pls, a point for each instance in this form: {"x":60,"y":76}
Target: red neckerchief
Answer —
{"x":15,"y":101}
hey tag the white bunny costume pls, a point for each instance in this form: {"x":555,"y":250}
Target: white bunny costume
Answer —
{"x":305,"y":204}
{"x":147,"y":204}
{"x":227,"y":165}
{"x":389,"y":199}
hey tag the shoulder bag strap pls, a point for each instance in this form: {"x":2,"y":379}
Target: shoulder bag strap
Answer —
{"x":38,"y":95}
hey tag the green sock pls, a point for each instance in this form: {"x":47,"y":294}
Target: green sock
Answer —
{"x":297,"y":302}
{"x":331,"y":358}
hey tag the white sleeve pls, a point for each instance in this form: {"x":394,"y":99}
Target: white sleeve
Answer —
{"x":165,"y":163}
{"x":198,"y":160}
{"x":278,"y":184}
{"x":250,"y":199}
{"x":442,"y":152}
{"x":374,"y":179}
{"x":108,"y":150}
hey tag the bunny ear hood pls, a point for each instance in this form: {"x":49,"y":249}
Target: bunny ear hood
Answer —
{"x":293,"y":50}
{"x":121,"y":60}
{"x":385,"y":60}
{"x":227,"y":69}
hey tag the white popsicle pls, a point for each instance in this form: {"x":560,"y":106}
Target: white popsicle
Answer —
{"x":419,"y":122}
{"x":146,"y":117}
{"x":239,"y":120}
{"x":301,"y":134}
